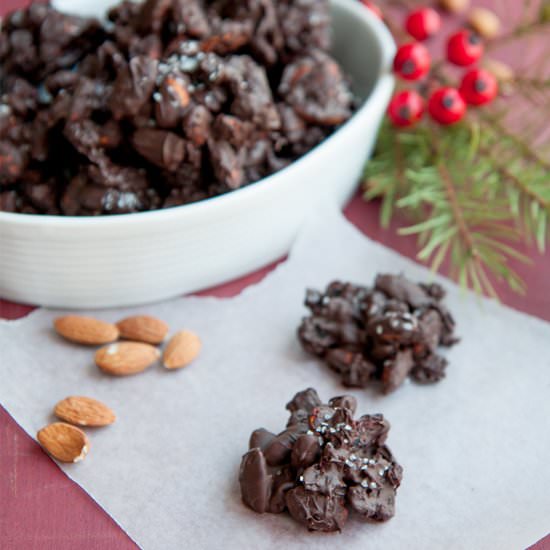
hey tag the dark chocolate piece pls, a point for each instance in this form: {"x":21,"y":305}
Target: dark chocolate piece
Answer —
{"x":314,"y":86}
{"x":317,"y":511}
{"x":323,"y":464}
{"x":386,"y":333}
{"x":255,"y":481}
{"x":260,"y":438}
{"x":193,"y":98}
{"x":305,"y":451}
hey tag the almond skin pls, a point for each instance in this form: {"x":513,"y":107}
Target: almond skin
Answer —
{"x":143,"y":328}
{"x":125,"y":358}
{"x":86,"y":330}
{"x":454,"y":6}
{"x":485,"y":22}
{"x":502,"y":72}
{"x":84,"y":411}
{"x":182,"y":349}
{"x":64,"y":442}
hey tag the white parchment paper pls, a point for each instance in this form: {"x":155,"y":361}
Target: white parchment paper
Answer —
{"x":475,"y":448}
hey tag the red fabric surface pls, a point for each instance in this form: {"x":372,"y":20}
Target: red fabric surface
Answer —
{"x":41,"y":509}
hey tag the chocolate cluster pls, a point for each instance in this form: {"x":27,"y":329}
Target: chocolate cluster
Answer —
{"x":322,"y":465}
{"x":385,"y":333}
{"x":167,"y":102}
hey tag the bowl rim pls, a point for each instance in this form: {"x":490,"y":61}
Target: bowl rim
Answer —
{"x":384,"y":81}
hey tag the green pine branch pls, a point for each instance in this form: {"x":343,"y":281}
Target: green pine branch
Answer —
{"x":463,"y":205}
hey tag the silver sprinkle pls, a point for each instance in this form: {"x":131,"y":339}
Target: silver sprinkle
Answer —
{"x":301,"y":479}
{"x":309,"y":432}
{"x":352,"y":457}
{"x":379,"y":329}
{"x":365,"y":484}
{"x":382,"y":472}
{"x":373,"y":485}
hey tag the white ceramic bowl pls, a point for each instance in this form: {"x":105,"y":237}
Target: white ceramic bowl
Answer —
{"x":130,"y":259}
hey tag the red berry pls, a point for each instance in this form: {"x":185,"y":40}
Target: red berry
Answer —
{"x":423,"y":23}
{"x":412,"y":61}
{"x":464,"y":48}
{"x":373,"y":7}
{"x":478,"y":87}
{"x":406,"y":108}
{"x":446,"y":106}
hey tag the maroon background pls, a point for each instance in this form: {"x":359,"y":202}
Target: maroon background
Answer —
{"x":40,"y":508}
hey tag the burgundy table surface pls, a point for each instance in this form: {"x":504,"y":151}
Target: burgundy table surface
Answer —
{"x":40,"y":508}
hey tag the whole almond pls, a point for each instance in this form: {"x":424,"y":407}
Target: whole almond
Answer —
{"x":485,"y":22}
{"x":84,"y":411}
{"x":64,"y":442}
{"x":143,"y":328}
{"x":502,"y":72}
{"x":454,"y":6}
{"x":124,"y":358}
{"x":85,"y":330}
{"x":181,"y":350}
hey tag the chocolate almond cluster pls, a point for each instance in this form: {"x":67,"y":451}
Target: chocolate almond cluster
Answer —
{"x":324,"y":464}
{"x":385,"y":333}
{"x":167,"y":102}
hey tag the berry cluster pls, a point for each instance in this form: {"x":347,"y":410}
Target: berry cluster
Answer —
{"x":445,"y":104}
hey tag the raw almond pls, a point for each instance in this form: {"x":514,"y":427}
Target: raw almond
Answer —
{"x":485,"y":22}
{"x":454,"y":6}
{"x":85,"y":330}
{"x":124,"y":358}
{"x":143,"y":328}
{"x":181,"y":350}
{"x":64,"y":442}
{"x":84,"y":411}
{"x":502,"y":72}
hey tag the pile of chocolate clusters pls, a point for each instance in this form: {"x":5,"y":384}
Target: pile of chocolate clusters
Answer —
{"x":385,"y":333}
{"x":166,"y":103}
{"x":322,"y":464}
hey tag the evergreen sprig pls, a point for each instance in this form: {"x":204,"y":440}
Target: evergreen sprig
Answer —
{"x":475,"y":191}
